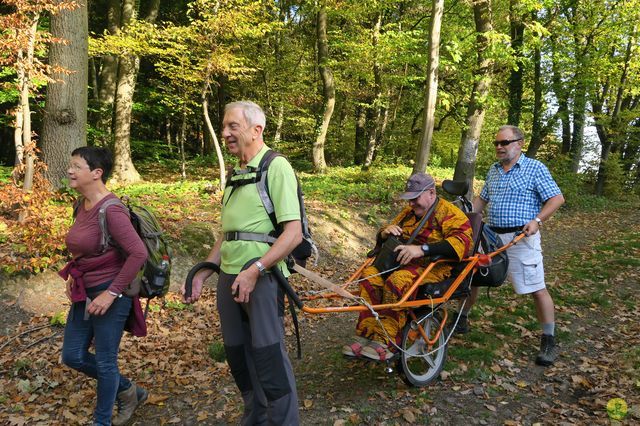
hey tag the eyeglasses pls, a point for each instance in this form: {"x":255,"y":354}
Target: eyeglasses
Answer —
{"x":505,"y":142}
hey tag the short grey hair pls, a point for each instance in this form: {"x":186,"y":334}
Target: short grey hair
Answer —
{"x":517,"y":133}
{"x":253,"y":114}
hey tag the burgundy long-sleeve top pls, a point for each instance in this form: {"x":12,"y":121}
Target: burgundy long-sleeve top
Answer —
{"x":83,"y":241}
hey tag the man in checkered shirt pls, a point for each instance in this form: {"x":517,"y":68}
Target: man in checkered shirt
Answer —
{"x":521,"y":195}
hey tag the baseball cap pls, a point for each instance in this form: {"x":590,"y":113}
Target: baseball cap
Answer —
{"x":416,"y":185}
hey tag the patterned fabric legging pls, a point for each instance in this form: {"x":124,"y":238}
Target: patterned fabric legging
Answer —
{"x":376,"y":290}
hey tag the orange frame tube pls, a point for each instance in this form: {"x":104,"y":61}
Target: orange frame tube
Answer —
{"x":404,"y":302}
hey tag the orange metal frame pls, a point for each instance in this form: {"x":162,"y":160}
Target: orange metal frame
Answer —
{"x":404,"y":302}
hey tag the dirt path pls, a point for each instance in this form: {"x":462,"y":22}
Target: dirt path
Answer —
{"x":599,"y":340}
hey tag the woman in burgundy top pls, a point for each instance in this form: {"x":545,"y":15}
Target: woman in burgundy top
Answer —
{"x":96,"y":280}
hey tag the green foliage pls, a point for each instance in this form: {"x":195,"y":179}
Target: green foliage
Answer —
{"x":5,"y":174}
{"x":379,"y":184}
{"x":571,"y":184}
{"x":216,"y":352}
{"x":59,"y":319}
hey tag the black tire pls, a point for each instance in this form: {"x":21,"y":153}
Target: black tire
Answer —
{"x":416,"y":365}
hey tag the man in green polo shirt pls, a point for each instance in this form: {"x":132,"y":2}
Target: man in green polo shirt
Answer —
{"x":247,"y":300}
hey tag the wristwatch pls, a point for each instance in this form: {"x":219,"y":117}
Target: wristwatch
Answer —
{"x":537,"y":219}
{"x":261,"y":268}
{"x":425,"y":249}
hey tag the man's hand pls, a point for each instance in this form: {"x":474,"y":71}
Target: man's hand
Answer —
{"x":101,"y":304}
{"x":407,"y":253}
{"x":531,"y":228}
{"x":391,"y":230}
{"x":196,"y":286}
{"x":244,"y":284}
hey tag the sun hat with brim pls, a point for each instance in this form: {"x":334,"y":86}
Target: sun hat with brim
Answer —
{"x":416,"y":185}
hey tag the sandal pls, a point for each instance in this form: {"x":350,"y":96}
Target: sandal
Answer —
{"x":377,"y":352}
{"x":355,"y":349}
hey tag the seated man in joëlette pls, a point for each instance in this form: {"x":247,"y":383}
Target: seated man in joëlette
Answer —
{"x":446,"y":232}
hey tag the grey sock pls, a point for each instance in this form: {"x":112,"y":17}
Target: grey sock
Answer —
{"x":549,"y":328}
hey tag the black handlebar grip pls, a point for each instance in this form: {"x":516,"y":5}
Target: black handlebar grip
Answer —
{"x":189,"y":280}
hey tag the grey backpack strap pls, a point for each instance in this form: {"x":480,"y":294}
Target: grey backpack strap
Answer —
{"x":102,"y":221}
{"x":262,"y":183}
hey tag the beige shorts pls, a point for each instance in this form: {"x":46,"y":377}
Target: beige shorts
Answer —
{"x":526,"y":271}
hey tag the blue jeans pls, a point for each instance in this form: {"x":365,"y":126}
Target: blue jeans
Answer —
{"x":106,"y":332}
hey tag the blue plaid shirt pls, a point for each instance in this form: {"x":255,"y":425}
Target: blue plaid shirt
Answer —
{"x":516,"y":197}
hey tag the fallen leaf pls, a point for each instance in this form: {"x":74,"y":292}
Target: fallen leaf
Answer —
{"x":409,"y":416}
{"x":157,"y":399}
{"x":308,"y":403}
{"x":490,"y":407}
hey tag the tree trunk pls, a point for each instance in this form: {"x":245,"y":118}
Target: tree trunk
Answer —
{"x":424,"y":147}
{"x":279,"y":122}
{"x":212,"y":133}
{"x":536,"y":132}
{"x":183,"y":138}
{"x":22,"y":135}
{"x":579,"y":114}
{"x":123,"y":169}
{"x":515,"y":79}
{"x":65,"y":118}
{"x":375,"y":110}
{"x":108,"y":79}
{"x":560,"y":91}
{"x":124,"y":172}
{"x":328,"y":91}
{"x":467,"y":153}
{"x":24,"y":144}
{"x":167,"y":129}
{"x":607,"y":142}
{"x":360,"y":134}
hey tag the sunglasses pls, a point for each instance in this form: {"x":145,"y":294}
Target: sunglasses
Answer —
{"x":505,"y":142}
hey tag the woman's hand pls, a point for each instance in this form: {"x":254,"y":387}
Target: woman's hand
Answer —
{"x":101,"y":304}
{"x":67,"y":289}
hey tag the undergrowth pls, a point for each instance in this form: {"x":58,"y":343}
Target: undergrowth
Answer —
{"x":182,"y":204}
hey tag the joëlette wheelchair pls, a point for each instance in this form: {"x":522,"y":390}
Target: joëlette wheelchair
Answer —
{"x":421,"y":355}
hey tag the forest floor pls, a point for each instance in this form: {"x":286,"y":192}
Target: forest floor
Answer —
{"x":592,"y":270}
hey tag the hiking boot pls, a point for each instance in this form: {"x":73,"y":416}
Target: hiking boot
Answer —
{"x":463,"y":324}
{"x":548,"y":351}
{"x":128,"y":400}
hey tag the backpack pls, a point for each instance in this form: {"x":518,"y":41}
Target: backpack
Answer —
{"x":153,"y":278}
{"x":307,"y":247}
{"x":495,"y":274}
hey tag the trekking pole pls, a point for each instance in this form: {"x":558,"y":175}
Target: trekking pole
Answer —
{"x":192,"y":273}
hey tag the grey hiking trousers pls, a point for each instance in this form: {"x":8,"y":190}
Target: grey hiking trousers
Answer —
{"x":253,"y":335}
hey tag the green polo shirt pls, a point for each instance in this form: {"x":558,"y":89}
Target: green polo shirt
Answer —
{"x":242,"y":210}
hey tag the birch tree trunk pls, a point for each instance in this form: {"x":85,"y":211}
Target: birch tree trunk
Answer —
{"x":426,"y":136}
{"x":65,"y":116}
{"x":212,"y":133}
{"x":466,"y":164}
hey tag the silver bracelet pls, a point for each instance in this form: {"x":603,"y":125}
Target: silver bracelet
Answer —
{"x":114,"y":294}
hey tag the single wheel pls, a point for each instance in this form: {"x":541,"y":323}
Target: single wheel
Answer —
{"x":419,"y":365}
